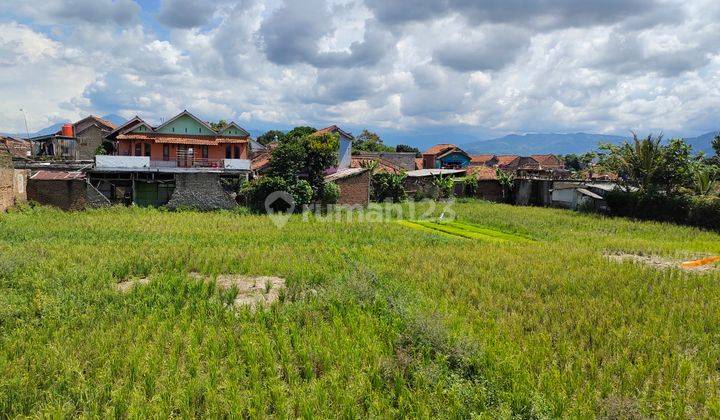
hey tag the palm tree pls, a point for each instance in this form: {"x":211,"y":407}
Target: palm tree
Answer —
{"x":641,"y":160}
{"x":704,"y":181}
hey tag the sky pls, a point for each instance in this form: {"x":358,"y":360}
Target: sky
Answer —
{"x":486,"y":67}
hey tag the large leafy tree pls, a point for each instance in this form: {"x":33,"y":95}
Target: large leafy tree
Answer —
{"x":305,"y":157}
{"x":217,"y":126}
{"x":300,"y":131}
{"x":368,"y":141}
{"x":716,"y":145}
{"x":270,"y":136}
{"x":404,"y":148}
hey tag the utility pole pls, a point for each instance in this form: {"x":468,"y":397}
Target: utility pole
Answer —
{"x":27,"y":133}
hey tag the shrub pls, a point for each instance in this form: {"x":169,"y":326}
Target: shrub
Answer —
{"x":702,"y":212}
{"x":331,"y":193}
{"x":256,"y":192}
{"x":386,"y":185}
{"x":443,"y":186}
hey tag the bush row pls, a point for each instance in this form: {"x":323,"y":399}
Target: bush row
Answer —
{"x":699,"y":211}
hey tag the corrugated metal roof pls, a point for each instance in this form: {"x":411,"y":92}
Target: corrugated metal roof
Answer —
{"x":589,"y":193}
{"x":57,"y":175}
{"x":432,"y":172}
{"x":344,"y":173}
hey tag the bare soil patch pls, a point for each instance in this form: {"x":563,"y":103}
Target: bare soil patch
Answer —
{"x":658,"y":262}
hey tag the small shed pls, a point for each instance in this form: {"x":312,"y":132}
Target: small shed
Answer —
{"x":354,"y":186}
{"x":576,"y":195}
{"x":67,"y":190}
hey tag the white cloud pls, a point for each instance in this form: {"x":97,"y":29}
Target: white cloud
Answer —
{"x":559,"y":65}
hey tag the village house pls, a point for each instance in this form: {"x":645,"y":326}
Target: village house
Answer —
{"x":182,"y":162}
{"x":445,"y":156}
{"x":77,"y":141}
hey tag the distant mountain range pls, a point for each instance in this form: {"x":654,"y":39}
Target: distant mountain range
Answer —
{"x":528,"y":144}
{"x":516,"y":144}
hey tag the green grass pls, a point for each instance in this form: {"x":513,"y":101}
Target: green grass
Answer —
{"x":378,"y":320}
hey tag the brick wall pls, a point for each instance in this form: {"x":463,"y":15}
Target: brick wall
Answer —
{"x":490,"y":190}
{"x":6,"y":181}
{"x":65,"y":194}
{"x":200,"y":191}
{"x":354,"y":190}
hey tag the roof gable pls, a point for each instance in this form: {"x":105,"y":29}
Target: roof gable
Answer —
{"x":234,"y":130}
{"x":140,"y":128}
{"x":333,"y":129}
{"x":186,"y":123}
{"x":127,"y":126}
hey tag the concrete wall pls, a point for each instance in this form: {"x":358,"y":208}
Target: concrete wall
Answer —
{"x":354,"y":190}
{"x":88,"y":141}
{"x":201,"y":191}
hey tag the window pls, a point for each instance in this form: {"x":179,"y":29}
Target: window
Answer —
{"x":166,"y":152}
{"x":147,"y":149}
{"x":173,"y":129}
{"x":204,"y":151}
{"x":138,"y":149}
{"x":199,"y":129}
{"x":228,"y":152}
{"x":186,"y":129}
{"x":237,"y":152}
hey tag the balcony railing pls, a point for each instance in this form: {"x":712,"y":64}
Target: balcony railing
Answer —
{"x":140,"y":162}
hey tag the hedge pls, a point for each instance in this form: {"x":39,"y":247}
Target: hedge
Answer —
{"x":703,"y":212}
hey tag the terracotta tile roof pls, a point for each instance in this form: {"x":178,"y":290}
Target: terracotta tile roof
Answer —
{"x":260,"y":162}
{"x":418,"y":163}
{"x":548,"y":161}
{"x":333,"y":129}
{"x":482,"y":173}
{"x":57,"y":175}
{"x":504,"y":160}
{"x":384,"y":165}
{"x":171,"y":139}
{"x":439,"y":148}
{"x":18,"y":148}
{"x":481,"y":159}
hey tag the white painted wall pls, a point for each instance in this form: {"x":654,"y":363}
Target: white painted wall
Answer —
{"x":237,"y":164}
{"x":107,"y":161}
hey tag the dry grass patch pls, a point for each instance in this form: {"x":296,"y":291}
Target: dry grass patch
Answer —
{"x":251,"y":290}
{"x":658,"y":262}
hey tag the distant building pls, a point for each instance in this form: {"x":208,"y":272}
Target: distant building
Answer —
{"x":445,"y":156}
{"x":183,"y":141}
{"x":345,"y":149}
{"x":77,"y":141}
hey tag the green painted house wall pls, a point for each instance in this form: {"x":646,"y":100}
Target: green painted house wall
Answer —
{"x":142,"y":128}
{"x":186,"y":125}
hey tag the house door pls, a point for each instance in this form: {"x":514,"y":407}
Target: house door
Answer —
{"x":185,"y":156}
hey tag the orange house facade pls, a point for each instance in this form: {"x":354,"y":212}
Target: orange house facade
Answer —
{"x":183,"y":141}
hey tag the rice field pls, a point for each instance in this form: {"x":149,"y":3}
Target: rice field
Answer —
{"x":503,"y":312}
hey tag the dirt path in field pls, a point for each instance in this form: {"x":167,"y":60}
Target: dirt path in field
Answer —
{"x":252,"y":290}
{"x":657,"y":262}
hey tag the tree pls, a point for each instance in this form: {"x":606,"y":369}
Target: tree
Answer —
{"x":506,"y":181}
{"x":270,"y":136}
{"x":368,"y":141}
{"x":649,"y":165}
{"x":638,"y":162}
{"x":404,"y":148}
{"x":217,"y":126}
{"x":704,"y":180}
{"x":307,"y":156}
{"x":385,"y":185}
{"x":716,"y":145}
{"x":300,"y":131}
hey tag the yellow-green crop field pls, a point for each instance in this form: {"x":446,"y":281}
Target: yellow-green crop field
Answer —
{"x":379,"y":319}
